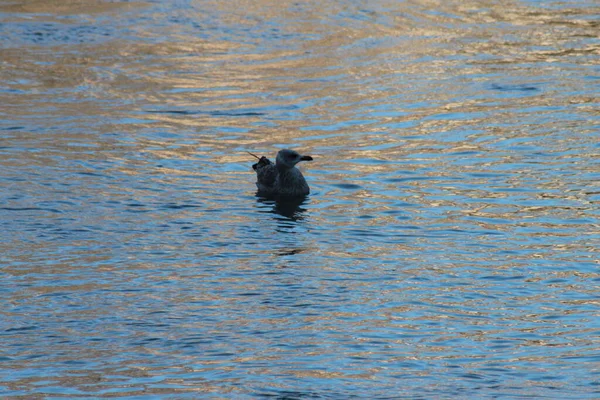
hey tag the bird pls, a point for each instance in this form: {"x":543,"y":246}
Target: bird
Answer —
{"x":282,"y":178}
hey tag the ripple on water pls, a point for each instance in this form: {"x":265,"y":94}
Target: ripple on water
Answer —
{"x":448,"y":248}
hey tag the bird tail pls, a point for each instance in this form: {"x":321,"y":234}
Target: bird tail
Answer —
{"x":262,"y":162}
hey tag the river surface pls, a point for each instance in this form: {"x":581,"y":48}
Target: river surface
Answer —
{"x":448,"y":249}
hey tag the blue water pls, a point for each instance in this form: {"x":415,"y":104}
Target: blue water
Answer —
{"x":448,"y":249}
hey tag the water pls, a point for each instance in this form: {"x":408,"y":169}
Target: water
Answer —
{"x":449,"y":248}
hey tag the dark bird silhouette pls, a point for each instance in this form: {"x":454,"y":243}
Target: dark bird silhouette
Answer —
{"x":281,"y":178}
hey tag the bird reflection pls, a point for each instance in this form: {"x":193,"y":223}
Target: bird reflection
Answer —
{"x":289,"y":251}
{"x":290,"y":208}
{"x":287,"y":214}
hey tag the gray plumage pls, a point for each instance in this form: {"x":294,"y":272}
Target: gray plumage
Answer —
{"x":281,"y":178}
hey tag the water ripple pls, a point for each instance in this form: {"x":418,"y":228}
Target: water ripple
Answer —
{"x":448,"y":248}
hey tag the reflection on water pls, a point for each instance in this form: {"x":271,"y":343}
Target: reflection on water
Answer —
{"x":289,"y":208}
{"x":448,"y":248}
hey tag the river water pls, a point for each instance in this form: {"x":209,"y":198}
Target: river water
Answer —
{"x":449,"y":247}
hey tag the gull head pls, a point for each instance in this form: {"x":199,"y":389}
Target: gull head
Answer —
{"x":287,"y":158}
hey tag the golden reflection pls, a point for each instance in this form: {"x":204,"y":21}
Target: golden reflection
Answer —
{"x":455,"y":145}
{"x":68,"y":7}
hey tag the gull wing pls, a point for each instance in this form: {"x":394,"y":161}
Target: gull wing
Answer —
{"x":266,"y":173}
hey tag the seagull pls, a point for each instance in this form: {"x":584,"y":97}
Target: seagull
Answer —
{"x":281,"y":178}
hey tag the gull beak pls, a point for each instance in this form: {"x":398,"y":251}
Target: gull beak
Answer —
{"x":306,"y":158}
